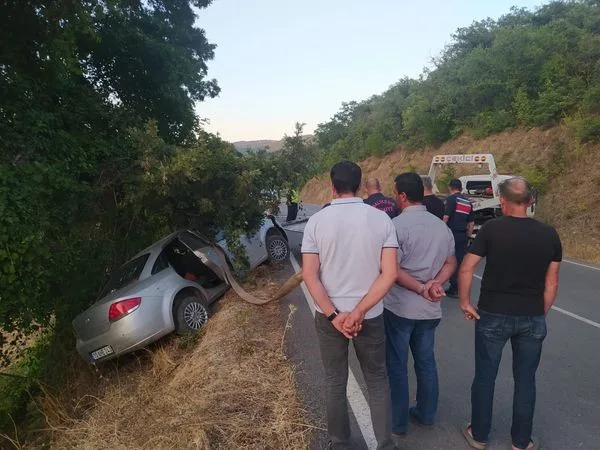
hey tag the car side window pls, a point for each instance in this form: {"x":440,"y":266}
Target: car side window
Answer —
{"x":161,"y":263}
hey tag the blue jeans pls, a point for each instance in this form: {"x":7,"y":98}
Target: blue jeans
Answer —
{"x":526,"y":334}
{"x":419,"y":335}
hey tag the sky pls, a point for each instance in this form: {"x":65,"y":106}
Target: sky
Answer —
{"x":279,"y":62}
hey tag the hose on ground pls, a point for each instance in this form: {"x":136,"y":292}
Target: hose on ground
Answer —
{"x":290,"y":284}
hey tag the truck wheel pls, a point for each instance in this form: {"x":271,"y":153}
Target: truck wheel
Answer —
{"x":278,"y":248}
{"x":190,"y":314}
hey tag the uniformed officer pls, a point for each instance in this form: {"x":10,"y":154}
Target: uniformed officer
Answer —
{"x":459,"y":217}
{"x":293,"y":198}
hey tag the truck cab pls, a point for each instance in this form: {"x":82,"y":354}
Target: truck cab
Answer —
{"x":481,"y":189}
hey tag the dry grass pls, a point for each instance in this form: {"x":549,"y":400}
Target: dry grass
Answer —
{"x":234,"y":388}
{"x":572,"y":201}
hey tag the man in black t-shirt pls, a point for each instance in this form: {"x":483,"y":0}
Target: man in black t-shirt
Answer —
{"x":378,"y":200}
{"x":432,"y":202}
{"x":459,"y":217}
{"x":518,"y":289}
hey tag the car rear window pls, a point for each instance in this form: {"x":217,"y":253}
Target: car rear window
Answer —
{"x":126,"y":274}
{"x":479,"y":184}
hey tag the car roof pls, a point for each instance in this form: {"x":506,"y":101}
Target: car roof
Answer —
{"x":157,"y":246}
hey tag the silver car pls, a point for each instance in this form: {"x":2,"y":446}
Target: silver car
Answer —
{"x":167,"y":287}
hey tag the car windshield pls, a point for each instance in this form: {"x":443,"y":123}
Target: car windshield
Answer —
{"x":126,"y":274}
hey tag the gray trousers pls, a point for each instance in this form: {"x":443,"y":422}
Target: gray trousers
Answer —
{"x":370,"y":350}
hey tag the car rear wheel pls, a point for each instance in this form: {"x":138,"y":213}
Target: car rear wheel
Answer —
{"x":278,"y":248}
{"x":190,"y":314}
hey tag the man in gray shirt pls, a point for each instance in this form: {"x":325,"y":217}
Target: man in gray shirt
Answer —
{"x":349,"y":264}
{"x":412,"y":309}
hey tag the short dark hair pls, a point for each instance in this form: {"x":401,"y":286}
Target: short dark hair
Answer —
{"x":516,"y":190}
{"x":411,"y":184}
{"x":455,"y":184}
{"x":346,"y":177}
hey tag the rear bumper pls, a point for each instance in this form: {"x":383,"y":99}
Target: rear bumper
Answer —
{"x":130,"y":333}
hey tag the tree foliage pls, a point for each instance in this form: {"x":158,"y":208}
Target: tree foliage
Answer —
{"x":100,"y":148}
{"x":528,"y":68}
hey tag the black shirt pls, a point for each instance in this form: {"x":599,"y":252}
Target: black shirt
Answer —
{"x":383,"y":203}
{"x":518,"y":252}
{"x":434,"y":205}
{"x":459,"y":210}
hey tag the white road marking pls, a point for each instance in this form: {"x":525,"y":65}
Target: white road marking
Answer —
{"x":581,"y":265}
{"x":575,"y":316}
{"x":356,"y":398}
{"x":568,"y":313}
{"x":311,"y":303}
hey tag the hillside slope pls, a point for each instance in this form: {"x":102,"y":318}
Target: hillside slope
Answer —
{"x":567,"y":174}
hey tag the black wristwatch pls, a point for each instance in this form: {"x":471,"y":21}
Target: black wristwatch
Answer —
{"x":333,"y":315}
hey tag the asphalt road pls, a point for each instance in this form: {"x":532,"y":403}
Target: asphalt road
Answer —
{"x":568,"y":381}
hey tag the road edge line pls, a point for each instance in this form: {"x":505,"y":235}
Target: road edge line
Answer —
{"x":580,"y":264}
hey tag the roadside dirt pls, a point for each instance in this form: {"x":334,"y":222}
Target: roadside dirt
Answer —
{"x":229,"y":387}
{"x":571,"y":172}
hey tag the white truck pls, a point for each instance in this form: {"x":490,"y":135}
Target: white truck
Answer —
{"x":482,"y":190}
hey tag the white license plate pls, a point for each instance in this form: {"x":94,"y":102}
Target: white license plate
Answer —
{"x":102,"y":352}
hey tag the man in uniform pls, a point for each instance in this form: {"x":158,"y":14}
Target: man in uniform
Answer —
{"x":378,"y":200}
{"x":459,"y":218}
{"x":292,"y":205}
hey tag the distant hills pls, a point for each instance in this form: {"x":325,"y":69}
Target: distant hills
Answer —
{"x":269,"y":145}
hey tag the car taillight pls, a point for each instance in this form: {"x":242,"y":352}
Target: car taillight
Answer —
{"x":122,"y":308}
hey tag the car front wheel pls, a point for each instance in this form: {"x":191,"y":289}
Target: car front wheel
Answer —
{"x":190,"y":314}
{"x":278,"y":248}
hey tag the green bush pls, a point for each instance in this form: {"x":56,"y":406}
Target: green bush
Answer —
{"x":585,"y":129}
{"x":538,"y":176}
{"x":19,"y":382}
{"x":489,"y":122}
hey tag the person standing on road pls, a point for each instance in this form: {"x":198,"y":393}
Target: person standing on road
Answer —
{"x":518,"y":289}
{"x":292,"y":205}
{"x":412,"y":308}
{"x":431,"y":201}
{"x":459,"y":217}
{"x":348,"y":264}
{"x":378,"y":200}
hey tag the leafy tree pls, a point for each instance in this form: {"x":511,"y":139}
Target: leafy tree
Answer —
{"x":529,"y":68}
{"x":78,"y":81}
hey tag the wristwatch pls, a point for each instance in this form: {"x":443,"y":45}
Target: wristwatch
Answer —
{"x":333,"y":315}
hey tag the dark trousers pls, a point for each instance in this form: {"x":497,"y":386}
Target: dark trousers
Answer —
{"x":370,"y":351}
{"x":418,"y":335}
{"x":460,"y":248}
{"x":526,"y":334}
{"x":292,"y":212}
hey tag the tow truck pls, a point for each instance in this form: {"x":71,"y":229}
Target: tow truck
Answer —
{"x":482,"y":190}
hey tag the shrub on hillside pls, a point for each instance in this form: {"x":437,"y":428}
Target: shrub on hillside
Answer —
{"x":489,"y":122}
{"x":585,"y":129}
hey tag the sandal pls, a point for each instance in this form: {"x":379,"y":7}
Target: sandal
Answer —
{"x":466,"y":431}
{"x":534,"y":445}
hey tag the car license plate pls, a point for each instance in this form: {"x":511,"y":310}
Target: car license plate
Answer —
{"x":102,"y":352}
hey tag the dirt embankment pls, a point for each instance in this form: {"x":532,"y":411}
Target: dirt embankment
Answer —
{"x":569,"y":174}
{"x":228,"y":387}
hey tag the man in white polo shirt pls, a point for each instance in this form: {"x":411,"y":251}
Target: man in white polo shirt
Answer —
{"x":349,"y":264}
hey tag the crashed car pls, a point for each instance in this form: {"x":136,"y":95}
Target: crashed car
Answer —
{"x":167,"y":287}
